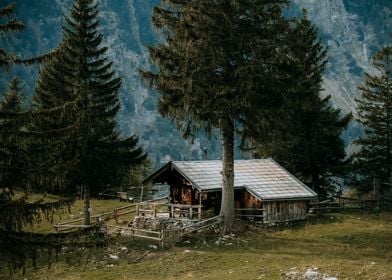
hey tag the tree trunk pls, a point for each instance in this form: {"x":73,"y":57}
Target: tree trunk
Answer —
{"x":227,"y":205}
{"x":86,"y":205}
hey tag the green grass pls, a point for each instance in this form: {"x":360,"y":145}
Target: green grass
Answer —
{"x":348,"y":246}
{"x":97,"y":206}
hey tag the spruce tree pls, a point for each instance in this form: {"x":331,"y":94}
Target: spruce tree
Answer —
{"x":304,"y":135}
{"x":82,"y":77}
{"x":373,"y":160}
{"x":12,"y":116}
{"x":16,"y":246}
{"x":13,"y":149}
{"x":215,"y":68}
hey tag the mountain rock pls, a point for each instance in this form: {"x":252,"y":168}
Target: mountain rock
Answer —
{"x":353,"y":30}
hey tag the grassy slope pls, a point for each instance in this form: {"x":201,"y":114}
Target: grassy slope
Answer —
{"x":97,"y":206}
{"x":349,"y":246}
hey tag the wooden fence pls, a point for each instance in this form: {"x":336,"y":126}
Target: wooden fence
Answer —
{"x":345,"y":203}
{"x":147,"y":209}
{"x":166,"y":236}
{"x":200,"y":225}
{"x":137,"y":232}
{"x":168,"y":209}
{"x":114,"y":214}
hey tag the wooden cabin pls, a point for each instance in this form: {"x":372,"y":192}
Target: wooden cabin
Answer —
{"x":260,"y":186}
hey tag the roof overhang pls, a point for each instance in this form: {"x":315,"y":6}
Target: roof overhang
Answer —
{"x":170,"y":166}
{"x":158,"y":172}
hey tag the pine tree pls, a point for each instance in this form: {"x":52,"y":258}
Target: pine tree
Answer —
{"x":304,"y":134}
{"x":93,"y":152}
{"x":215,"y":68}
{"x":373,"y":160}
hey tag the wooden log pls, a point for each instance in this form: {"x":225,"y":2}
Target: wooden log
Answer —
{"x":127,"y":206}
{"x":126,"y":212}
{"x":72,"y":226}
{"x":63,"y":228}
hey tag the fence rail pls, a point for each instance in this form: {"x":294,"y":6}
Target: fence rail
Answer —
{"x":200,"y":225}
{"x":344,"y":203}
{"x":66,"y":228}
{"x":152,"y":208}
{"x":171,"y":210}
{"x":75,"y":224}
{"x":142,"y":233}
{"x":167,"y":236}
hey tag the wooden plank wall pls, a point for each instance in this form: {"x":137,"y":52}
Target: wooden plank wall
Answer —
{"x":284,"y":211}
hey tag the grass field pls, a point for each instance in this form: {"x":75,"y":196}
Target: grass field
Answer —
{"x":345,"y":246}
{"x":97,"y":206}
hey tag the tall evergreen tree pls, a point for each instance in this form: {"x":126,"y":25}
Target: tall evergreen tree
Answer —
{"x":13,"y":147}
{"x":304,"y":135}
{"x":81,"y":76}
{"x":373,"y":160}
{"x":215,"y":68}
{"x":16,"y":246}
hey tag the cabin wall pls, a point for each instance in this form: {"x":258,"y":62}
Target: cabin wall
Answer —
{"x":244,"y":199}
{"x":184,"y":194}
{"x":284,"y":211}
{"x":385,"y":192}
{"x":211,"y":201}
{"x":250,"y":201}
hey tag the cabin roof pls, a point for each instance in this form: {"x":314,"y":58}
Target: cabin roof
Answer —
{"x":264,"y":178}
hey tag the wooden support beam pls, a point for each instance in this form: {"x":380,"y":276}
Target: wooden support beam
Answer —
{"x":199,"y":210}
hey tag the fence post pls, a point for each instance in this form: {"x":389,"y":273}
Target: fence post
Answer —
{"x":115,"y":215}
{"x":161,"y":239}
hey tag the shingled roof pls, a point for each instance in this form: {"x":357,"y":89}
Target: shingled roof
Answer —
{"x":264,"y":178}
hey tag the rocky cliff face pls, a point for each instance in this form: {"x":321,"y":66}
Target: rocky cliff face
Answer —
{"x":351,"y":29}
